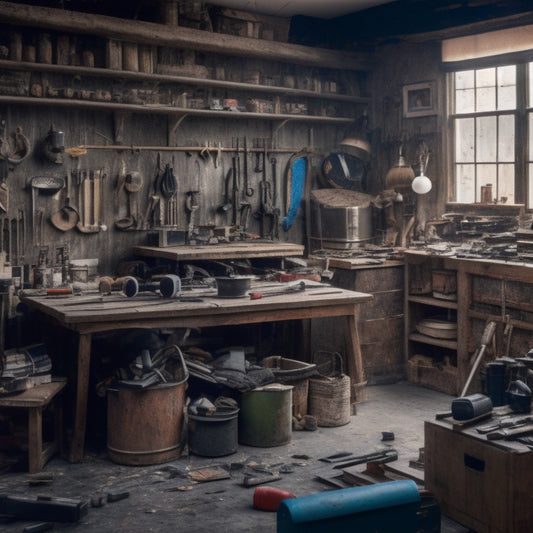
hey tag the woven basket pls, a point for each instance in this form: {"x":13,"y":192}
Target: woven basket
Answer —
{"x":289,"y":370}
{"x":329,"y":400}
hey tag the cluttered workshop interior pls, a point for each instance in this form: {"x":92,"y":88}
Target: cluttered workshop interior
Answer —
{"x":255,"y":255}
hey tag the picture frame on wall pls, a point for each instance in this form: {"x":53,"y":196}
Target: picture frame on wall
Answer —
{"x":420,"y":99}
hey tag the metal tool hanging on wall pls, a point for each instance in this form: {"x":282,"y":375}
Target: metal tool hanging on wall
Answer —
{"x":268,"y":213}
{"x":90,"y":201}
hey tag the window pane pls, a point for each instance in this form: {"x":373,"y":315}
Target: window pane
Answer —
{"x":505,"y":184}
{"x":464,"y":79}
{"x":465,"y":101}
{"x":506,"y":138}
{"x":464,"y":140}
{"x":465,"y":184}
{"x":530,"y":129}
{"x":507,"y":87}
{"x":486,"y":175}
{"x":486,"y":77}
{"x":530,"y":186}
{"x":530,"y":79}
{"x":486,"y":139}
{"x":486,"y":99}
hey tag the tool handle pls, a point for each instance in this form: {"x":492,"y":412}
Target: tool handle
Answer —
{"x":488,"y":333}
{"x":255,"y":295}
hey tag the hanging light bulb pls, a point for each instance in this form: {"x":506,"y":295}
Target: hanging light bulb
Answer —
{"x":422,"y":184}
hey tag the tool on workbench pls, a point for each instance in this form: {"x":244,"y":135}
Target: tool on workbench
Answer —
{"x":510,"y":433}
{"x":469,"y":407}
{"x":169,"y":286}
{"x":507,"y":423}
{"x":486,"y":337}
{"x":291,"y":287}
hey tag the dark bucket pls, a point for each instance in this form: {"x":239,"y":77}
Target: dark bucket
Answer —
{"x":215,"y":435}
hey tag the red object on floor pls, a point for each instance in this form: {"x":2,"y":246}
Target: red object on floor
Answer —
{"x":269,"y":498}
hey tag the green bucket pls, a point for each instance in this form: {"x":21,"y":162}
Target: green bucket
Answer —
{"x":265,"y":418}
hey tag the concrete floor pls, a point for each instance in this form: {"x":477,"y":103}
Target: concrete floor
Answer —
{"x":162,"y":498}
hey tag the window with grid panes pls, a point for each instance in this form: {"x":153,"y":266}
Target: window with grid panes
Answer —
{"x":485,"y":121}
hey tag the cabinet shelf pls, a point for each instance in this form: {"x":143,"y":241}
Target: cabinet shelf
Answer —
{"x":435,"y":302}
{"x":185,"y":80}
{"x":426,"y":339}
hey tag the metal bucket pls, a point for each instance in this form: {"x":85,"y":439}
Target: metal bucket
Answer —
{"x":265,"y":418}
{"x":144,"y":426}
{"x":215,"y":435}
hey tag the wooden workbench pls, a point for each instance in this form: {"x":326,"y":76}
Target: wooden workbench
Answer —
{"x":94,"y":314}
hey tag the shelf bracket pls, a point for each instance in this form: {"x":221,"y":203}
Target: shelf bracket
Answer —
{"x":174,"y":121}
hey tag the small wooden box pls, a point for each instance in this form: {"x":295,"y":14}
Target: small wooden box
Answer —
{"x":444,"y":281}
{"x":484,"y":485}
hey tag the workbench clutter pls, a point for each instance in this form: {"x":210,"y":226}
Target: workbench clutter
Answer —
{"x":24,"y":368}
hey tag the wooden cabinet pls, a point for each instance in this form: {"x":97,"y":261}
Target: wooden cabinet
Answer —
{"x":431,"y":333}
{"x":380,"y":322}
{"x":486,"y":290}
{"x":484,"y":485}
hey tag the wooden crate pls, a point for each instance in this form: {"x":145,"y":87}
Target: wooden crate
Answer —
{"x":443,"y":378}
{"x":484,"y":485}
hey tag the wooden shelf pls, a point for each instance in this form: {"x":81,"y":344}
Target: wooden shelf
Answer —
{"x":426,"y":339}
{"x":142,"y":32}
{"x":435,"y":302}
{"x":234,"y":250}
{"x":186,"y":80}
{"x":168,"y":110}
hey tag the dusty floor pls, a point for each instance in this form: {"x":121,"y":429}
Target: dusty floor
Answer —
{"x":162,"y":497}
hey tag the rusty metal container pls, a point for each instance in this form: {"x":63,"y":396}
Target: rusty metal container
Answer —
{"x":144,"y":426}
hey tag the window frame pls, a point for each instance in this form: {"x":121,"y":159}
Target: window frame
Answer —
{"x":521,"y":112}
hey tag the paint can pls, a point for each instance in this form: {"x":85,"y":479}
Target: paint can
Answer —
{"x":265,"y":418}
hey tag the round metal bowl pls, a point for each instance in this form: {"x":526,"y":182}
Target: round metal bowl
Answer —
{"x":233,"y":286}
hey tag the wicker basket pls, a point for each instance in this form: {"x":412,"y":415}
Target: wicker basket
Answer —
{"x":289,"y":370}
{"x":329,"y":400}
{"x":295,"y":373}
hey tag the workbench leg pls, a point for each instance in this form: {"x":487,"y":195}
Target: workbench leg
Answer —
{"x":82,"y":393}
{"x":35,"y":439}
{"x":355,"y":360}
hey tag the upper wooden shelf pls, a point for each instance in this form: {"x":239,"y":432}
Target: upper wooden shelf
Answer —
{"x":138,"y":31}
{"x":435,"y":302}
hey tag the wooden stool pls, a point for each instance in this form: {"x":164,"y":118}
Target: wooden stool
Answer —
{"x":36,"y":400}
